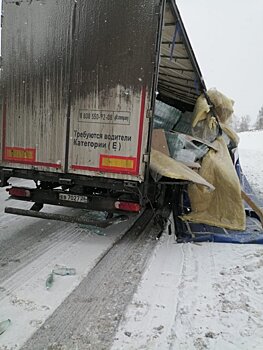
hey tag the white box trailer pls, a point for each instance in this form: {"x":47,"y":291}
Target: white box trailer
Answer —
{"x":79,"y":82}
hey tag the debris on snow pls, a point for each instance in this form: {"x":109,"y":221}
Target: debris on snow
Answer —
{"x":64,"y":271}
{"x":61,"y":271}
{"x":128,"y":334}
{"x":4,"y":325}
{"x":50,"y":280}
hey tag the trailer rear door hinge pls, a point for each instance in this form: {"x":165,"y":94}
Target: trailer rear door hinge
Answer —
{"x":149,"y":113}
{"x":157,"y":9}
{"x":146,"y":158}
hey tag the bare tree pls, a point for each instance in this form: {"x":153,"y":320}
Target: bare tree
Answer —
{"x":244,"y":123}
{"x":235,"y":122}
{"x":259,"y":122}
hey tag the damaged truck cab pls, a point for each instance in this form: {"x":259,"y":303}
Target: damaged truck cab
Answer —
{"x":85,"y":87}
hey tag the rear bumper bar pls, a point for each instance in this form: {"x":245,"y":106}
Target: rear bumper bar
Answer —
{"x":67,"y":218}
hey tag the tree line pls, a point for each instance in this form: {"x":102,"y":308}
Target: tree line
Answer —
{"x":243,"y":123}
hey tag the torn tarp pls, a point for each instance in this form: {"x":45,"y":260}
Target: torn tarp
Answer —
{"x":253,"y":233}
{"x":224,"y":206}
{"x":204,"y":123}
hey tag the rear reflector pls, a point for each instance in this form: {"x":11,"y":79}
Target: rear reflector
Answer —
{"x":128,"y":206}
{"x":18,"y":192}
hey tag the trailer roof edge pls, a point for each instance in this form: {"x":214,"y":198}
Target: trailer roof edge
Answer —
{"x":188,"y":45}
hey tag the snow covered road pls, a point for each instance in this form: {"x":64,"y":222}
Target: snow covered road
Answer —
{"x":89,"y":317}
{"x":29,"y":250}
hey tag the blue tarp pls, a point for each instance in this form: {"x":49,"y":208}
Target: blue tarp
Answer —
{"x":203,"y":233}
{"x":192,"y":232}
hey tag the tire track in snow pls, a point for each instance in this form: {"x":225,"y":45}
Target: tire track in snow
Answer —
{"x":184,"y":321}
{"x":27,"y":244}
{"x":218,"y":304}
{"x":89,"y":316}
{"x":24,"y":298}
{"x":58,"y":244}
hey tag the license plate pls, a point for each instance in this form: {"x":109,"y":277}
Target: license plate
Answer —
{"x":73,"y":198}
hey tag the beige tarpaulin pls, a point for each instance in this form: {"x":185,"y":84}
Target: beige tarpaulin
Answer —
{"x":168,"y":167}
{"x":204,"y":124}
{"x":224,"y":206}
{"x":223,"y":107}
{"x":201,"y":110}
{"x":230,"y":133}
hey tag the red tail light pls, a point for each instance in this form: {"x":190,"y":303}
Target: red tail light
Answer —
{"x":18,"y":192}
{"x":128,"y":206}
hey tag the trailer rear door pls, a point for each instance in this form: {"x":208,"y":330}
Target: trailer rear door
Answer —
{"x":113,"y":65}
{"x":36,"y":46}
{"x":78,"y":80}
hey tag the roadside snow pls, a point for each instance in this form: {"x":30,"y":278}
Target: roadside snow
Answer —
{"x":197,"y":296}
{"x":251,"y":158}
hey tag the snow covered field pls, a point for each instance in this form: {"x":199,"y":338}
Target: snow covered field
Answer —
{"x":203,"y":295}
{"x":251,"y":157}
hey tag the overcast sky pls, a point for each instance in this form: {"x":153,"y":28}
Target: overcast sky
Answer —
{"x":227,"y":37}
